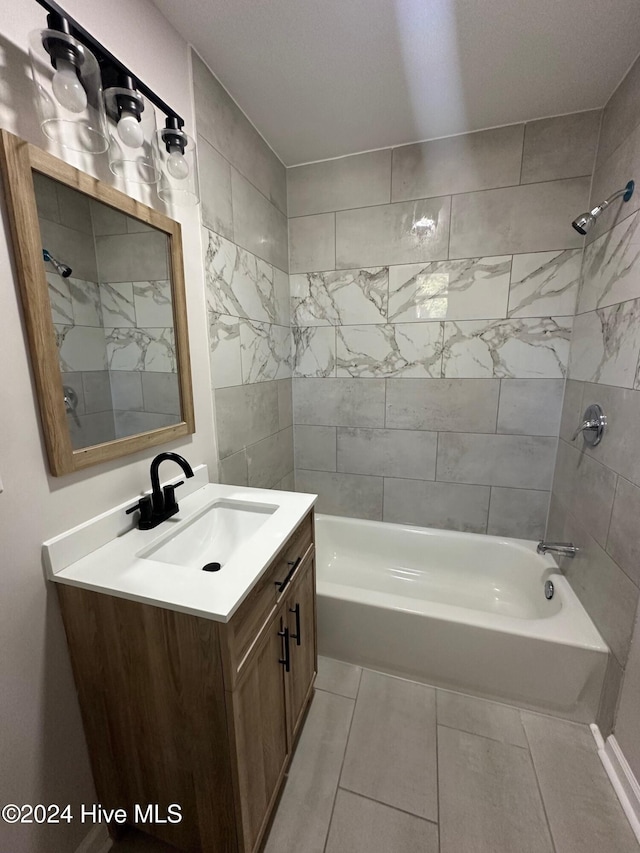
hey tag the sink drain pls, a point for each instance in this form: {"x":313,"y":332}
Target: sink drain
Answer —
{"x":212,"y":567}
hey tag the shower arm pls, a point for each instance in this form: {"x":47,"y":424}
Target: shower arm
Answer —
{"x":597,"y":210}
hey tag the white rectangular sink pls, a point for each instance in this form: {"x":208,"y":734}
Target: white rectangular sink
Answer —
{"x":212,"y":535}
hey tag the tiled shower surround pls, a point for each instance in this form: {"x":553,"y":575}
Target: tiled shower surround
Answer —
{"x":596,"y":491}
{"x":433,"y":290}
{"x":247,"y":289}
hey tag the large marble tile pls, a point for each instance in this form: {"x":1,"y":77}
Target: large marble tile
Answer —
{"x":572,"y":408}
{"x":75,"y":209}
{"x":401,"y":349}
{"x":458,"y":164}
{"x":161,"y":392}
{"x":81,"y":348}
{"x":586,"y":487}
{"x":133,"y":423}
{"x":141,"y":349}
{"x":132,"y":257}
{"x":527,"y":348}
{"x":401,"y":233}
{"x":621,"y":450}
{"x":46,"y":197}
{"x":560,"y":147}
{"x":339,"y":402}
{"x":315,"y":447}
{"x":489,"y":798}
{"x":117,"y":304}
{"x":520,"y":513}
{"x":475,"y":288}
{"x":391,"y":752}
{"x":232,"y":470}
{"x":258,"y":225}
{"x":282,"y":297}
{"x":387,"y":452}
{"x":224,"y":125}
{"x":60,"y":299}
{"x":621,"y":114}
{"x":448,"y":506}
{"x":479,"y":717}
{"x":528,"y":218}
{"x":271,"y":459}
{"x":518,"y":461}
{"x":623,"y":541}
{"x":237,"y":283}
{"x":153,"y":303}
{"x":338,"y":677}
{"x":606,"y":717}
{"x":626,"y":726}
{"x":245,"y":414}
{"x":224,"y":350}
{"x":215,"y":189}
{"x":351,"y":495}
{"x":312,"y":243}
{"x":460,"y":405}
{"x":340,"y":298}
{"x":545,"y":284}
{"x":314,"y":351}
{"x":584,"y":813}
{"x":86,"y":301}
{"x":606,"y":345}
{"x":530,"y":406}
{"x":285,"y":402}
{"x":611,"y":268}
{"x":126,"y":390}
{"x":360,"y":825}
{"x":348,"y":182}
{"x":107,"y":220}
{"x":74,"y":382}
{"x":607,"y":594}
{"x":304,"y":812}
{"x":94,"y":428}
{"x":96,"y":394}
{"x":265,"y":351}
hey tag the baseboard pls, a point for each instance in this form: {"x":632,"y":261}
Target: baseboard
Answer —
{"x":98,"y":840}
{"x":622,"y":778}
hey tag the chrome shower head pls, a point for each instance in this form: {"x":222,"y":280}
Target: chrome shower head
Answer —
{"x":61,"y":268}
{"x":586,"y":221}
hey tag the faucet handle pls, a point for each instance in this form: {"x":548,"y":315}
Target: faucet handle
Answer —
{"x":170,"y":503}
{"x":146,"y":510}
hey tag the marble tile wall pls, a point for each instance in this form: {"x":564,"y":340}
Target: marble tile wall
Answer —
{"x":596,"y":491}
{"x":244,"y":219}
{"x":433,"y":291}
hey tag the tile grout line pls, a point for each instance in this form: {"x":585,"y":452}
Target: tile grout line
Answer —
{"x":386,"y":805}
{"x":535,"y":773}
{"x":484,"y":737}
{"x":344,"y":755}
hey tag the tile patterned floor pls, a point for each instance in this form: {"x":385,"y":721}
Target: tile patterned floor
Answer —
{"x":388,"y":766}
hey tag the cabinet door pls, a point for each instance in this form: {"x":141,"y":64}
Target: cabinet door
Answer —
{"x":301,"y":621}
{"x":259,"y":728}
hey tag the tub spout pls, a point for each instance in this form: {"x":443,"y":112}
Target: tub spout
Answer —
{"x":565,"y":549}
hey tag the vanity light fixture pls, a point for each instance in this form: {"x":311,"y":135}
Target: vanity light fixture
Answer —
{"x":70,"y":68}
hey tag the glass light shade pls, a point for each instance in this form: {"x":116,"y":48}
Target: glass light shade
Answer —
{"x":135,"y":164}
{"x":178,"y":184}
{"x":69,"y":96}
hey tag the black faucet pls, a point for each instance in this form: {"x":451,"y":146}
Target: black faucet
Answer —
{"x":161,"y":503}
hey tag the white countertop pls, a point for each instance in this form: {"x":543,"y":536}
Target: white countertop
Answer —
{"x":115,"y":567}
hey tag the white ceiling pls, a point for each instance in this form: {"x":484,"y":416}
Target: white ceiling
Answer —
{"x":323,"y":78}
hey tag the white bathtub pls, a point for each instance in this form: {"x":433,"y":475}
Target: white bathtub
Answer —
{"x":457,"y":610}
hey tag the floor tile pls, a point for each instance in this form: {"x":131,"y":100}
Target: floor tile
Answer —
{"x":335,"y":676}
{"x":364,"y":826}
{"x":583,"y":810}
{"x":391,"y":753}
{"x":489,"y":798}
{"x":304,"y":812}
{"x":479,"y":717}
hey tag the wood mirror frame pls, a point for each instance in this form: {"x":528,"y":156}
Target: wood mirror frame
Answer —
{"x":19,"y":160}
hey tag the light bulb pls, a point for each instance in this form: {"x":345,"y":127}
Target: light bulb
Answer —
{"x":129,"y":130}
{"x":177,"y":166}
{"x":67,"y":88}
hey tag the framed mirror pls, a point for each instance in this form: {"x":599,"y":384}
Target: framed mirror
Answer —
{"x":102,"y":283}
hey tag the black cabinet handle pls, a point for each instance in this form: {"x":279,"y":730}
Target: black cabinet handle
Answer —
{"x":297,"y":636}
{"x":293,"y":565}
{"x":286,"y":662}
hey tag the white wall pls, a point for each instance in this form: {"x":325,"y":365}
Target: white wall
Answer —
{"x":42,"y":751}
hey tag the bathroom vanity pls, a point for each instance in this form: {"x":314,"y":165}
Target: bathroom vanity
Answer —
{"x":193,"y":684}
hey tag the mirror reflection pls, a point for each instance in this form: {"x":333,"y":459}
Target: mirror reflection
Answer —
{"x":111,"y":303}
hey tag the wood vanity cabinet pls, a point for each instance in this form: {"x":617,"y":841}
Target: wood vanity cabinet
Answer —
{"x":181,"y":709}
